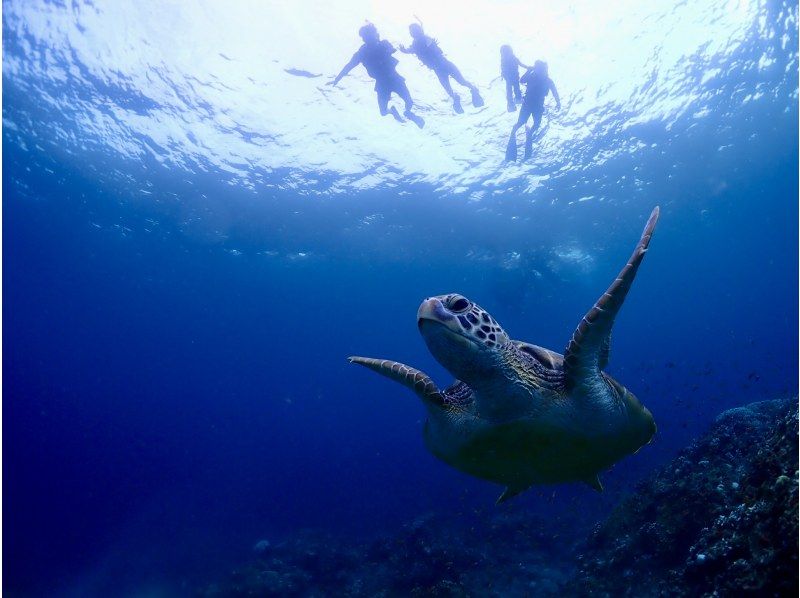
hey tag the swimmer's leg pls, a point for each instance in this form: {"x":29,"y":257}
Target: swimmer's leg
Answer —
{"x":444,"y":78}
{"x":383,"y":100}
{"x":512,"y":107}
{"x":453,"y":71}
{"x":383,"y":104}
{"x":517,"y":92}
{"x":511,"y":148}
{"x":537,"y":119}
{"x":401,"y":89}
{"x":393,"y":111}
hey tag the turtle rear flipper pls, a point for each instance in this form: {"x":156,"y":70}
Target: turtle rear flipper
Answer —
{"x":587,"y":352}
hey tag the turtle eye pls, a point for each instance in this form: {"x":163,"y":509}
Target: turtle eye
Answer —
{"x":457,"y":304}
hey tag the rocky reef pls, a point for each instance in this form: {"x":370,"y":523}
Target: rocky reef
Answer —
{"x":719,"y":520}
{"x":432,"y":556}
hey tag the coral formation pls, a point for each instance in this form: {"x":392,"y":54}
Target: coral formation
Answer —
{"x":721,"y":519}
{"x":429,"y":557}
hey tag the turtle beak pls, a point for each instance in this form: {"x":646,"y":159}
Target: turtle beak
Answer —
{"x":436,"y":322}
{"x":433,"y":310}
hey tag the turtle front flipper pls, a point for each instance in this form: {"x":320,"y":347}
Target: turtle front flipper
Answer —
{"x":587,"y":352}
{"x":412,"y":378}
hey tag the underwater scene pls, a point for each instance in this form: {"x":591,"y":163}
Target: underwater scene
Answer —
{"x":400,"y":299}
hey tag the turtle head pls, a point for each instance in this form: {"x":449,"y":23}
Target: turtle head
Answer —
{"x":461,"y":335}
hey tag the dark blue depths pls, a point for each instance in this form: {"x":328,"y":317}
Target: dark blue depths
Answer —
{"x":172,"y":396}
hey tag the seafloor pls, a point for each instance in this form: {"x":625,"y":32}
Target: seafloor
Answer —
{"x":720,"y":520}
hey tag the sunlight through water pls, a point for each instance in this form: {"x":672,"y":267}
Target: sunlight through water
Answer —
{"x":239,"y":88}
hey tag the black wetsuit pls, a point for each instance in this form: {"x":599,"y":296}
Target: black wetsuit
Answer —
{"x":536,"y":92}
{"x":532,"y":105}
{"x":428,"y":51}
{"x":430,"y":54}
{"x":381,"y":66}
{"x":509,"y":70}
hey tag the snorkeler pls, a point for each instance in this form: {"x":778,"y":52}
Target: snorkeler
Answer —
{"x":539,"y":85}
{"x":376,"y":56}
{"x":509,"y":71}
{"x":430,"y":54}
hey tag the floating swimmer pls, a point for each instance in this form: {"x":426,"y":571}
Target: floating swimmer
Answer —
{"x":509,"y":72}
{"x":539,"y":84}
{"x":376,"y":56}
{"x":430,"y":54}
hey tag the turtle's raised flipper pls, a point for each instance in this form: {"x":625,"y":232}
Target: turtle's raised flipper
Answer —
{"x":587,"y":352}
{"x":417,"y":381}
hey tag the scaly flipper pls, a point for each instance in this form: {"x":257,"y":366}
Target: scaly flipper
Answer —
{"x":417,"y":381}
{"x":587,"y":352}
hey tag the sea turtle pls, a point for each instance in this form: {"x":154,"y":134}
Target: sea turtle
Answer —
{"x":519,"y":414}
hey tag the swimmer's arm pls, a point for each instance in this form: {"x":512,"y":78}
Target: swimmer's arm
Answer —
{"x":555,"y":94}
{"x":354,"y":61}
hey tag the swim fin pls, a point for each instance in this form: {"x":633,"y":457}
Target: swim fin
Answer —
{"x":477,"y":100}
{"x":511,"y":149}
{"x":528,"y":142}
{"x":457,"y":104}
{"x":416,"y":119}
{"x":393,"y":111}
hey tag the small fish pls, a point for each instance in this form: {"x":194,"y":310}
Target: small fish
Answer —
{"x":301,"y":73}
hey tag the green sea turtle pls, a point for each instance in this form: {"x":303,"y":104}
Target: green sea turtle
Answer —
{"x":519,"y":414}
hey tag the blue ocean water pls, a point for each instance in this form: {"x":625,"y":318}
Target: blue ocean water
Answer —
{"x":195,"y":239}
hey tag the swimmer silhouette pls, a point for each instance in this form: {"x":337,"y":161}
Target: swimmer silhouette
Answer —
{"x":376,"y":56}
{"x":509,"y":72}
{"x":430,"y":54}
{"x":538,"y":85}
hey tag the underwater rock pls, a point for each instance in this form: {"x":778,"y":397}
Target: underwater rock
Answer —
{"x":720,"y":520}
{"x":261,"y":546}
{"x":435,"y":555}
